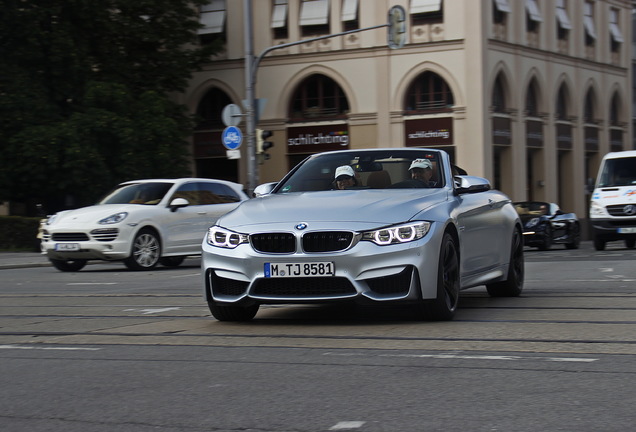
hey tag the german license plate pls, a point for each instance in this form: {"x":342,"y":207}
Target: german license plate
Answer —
{"x":309,"y":269}
{"x":629,"y":230}
{"x":67,"y":247}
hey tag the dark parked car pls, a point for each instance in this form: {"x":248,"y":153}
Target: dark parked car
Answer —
{"x":544,"y":224}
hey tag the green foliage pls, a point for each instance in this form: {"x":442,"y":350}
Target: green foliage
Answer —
{"x":18,"y":233}
{"x":84,"y":94}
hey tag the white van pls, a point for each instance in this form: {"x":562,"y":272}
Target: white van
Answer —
{"x":613,"y":205}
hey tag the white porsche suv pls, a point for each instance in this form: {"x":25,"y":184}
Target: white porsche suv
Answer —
{"x":141,"y":222}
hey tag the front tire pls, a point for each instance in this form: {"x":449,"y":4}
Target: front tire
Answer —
{"x":68,"y":265}
{"x":575,"y":237}
{"x":146,"y":250}
{"x":513,"y":285}
{"x":630,"y":243}
{"x":546,"y":244}
{"x":443,"y":307}
{"x":174,"y":261}
{"x":599,"y":244}
{"x":233,"y":313}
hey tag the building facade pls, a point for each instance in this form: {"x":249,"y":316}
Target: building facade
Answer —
{"x":527,"y":93}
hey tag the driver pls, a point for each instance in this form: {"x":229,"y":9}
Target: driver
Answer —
{"x":345,"y":177}
{"x":422,"y":170}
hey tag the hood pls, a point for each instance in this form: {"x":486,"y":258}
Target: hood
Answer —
{"x":615,"y":195}
{"x":92,"y":214}
{"x":377,"y":207}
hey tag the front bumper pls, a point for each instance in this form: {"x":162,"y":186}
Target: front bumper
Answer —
{"x":614,"y":229}
{"x":365,"y":273}
{"x":95,"y":243}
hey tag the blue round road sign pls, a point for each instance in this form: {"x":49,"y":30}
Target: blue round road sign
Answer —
{"x":232,"y":137}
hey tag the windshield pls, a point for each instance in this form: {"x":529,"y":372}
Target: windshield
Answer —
{"x":138,"y":193}
{"x":618,"y":172}
{"x":382,"y":169}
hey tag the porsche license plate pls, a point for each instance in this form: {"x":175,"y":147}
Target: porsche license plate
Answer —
{"x":67,"y":247}
{"x":310,"y":269}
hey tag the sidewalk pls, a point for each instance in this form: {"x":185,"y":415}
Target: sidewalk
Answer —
{"x":15,"y":260}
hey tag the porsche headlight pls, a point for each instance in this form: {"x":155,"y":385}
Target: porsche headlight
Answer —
{"x":532,"y":222}
{"x":223,"y":238}
{"x":113,"y":219}
{"x":397,"y":234}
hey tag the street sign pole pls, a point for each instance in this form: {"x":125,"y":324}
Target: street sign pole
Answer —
{"x":250,"y":126}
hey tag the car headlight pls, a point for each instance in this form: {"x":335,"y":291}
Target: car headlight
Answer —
{"x":223,"y":238}
{"x":596,"y":209}
{"x":397,"y":234}
{"x":115,"y":218}
{"x":51,"y":219}
{"x":532,"y":222}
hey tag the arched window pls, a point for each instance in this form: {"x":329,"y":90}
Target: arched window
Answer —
{"x":532,"y":107}
{"x":562,"y":104}
{"x":615,"y":110}
{"x":318,"y":97}
{"x":588,"y":113}
{"x":210,"y":108}
{"x":499,"y":96}
{"x":428,"y":93}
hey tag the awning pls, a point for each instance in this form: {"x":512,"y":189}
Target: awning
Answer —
{"x":616,"y":34}
{"x":212,"y":17}
{"x":503,"y":6}
{"x":588,"y":23}
{"x":533,"y":10}
{"x":279,"y":14}
{"x":562,"y":19}
{"x":314,"y":12}
{"x":425,"y":6}
{"x":349,"y":10}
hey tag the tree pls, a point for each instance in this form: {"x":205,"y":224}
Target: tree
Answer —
{"x":85,"y":95}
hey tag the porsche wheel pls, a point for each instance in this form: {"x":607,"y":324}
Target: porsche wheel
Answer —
{"x":513,"y":285}
{"x":443,"y":307}
{"x":146,"y":250}
{"x":575,"y":237}
{"x":546,"y":244}
{"x":171,"y":261}
{"x":68,"y":265}
{"x":233,"y":313}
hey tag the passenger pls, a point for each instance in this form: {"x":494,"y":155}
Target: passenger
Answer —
{"x":345,"y":178}
{"x":422,"y":170}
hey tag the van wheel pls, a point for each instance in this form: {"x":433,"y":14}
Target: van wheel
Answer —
{"x":599,"y":244}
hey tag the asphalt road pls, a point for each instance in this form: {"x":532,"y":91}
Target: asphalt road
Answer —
{"x":107,"y":349}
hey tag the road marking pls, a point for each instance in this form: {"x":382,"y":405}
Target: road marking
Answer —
{"x":477,"y":357}
{"x":153,"y":311}
{"x":92,"y":283}
{"x":47,"y":348}
{"x":347,"y":425}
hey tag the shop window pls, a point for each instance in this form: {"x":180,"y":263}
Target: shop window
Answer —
{"x":318,"y":97}
{"x":561,"y":104}
{"x":499,"y":97}
{"x":429,"y":93}
{"x":588,"y":111}
{"x":209,"y":111}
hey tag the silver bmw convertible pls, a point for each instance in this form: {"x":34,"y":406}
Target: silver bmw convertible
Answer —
{"x":383,"y":226}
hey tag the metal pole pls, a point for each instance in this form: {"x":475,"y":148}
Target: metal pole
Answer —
{"x":252,"y":166}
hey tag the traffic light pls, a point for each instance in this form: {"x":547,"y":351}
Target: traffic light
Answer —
{"x":262,"y":145}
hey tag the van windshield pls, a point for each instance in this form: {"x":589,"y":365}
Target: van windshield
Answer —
{"x":618,"y":172}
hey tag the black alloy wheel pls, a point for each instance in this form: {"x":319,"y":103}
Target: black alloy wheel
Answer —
{"x":513,"y":285}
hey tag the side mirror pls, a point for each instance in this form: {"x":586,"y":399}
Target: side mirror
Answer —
{"x":470,"y":184}
{"x":264,"y":189}
{"x":178,"y":203}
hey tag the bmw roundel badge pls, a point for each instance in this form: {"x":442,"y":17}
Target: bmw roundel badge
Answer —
{"x":301,"y":226}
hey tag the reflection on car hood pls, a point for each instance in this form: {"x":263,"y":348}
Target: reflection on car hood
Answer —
{"x":365,"y":206}
{"x":92,"y":214}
